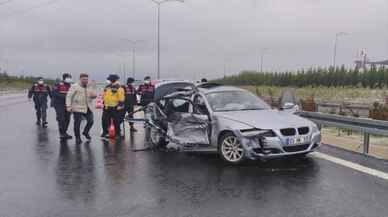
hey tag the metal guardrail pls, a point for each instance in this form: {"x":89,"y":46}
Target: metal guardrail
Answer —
{"x":364,"y":125}
{"x":356,"y":106}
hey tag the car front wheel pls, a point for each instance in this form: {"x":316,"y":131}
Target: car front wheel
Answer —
{"x":231,"y":149}
{"x":155,"y":137}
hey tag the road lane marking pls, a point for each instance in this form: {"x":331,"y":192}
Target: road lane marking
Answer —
{"x":352,"y":165}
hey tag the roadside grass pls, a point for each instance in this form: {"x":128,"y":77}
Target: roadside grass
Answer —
{"x":338,"y":94}
{"x":15,"y":85}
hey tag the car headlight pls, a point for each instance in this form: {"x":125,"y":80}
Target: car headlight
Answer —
{"x":257,"y":133}
{"x":314,"y":128}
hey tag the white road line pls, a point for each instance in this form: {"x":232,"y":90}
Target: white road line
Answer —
{"x":352,"y":165}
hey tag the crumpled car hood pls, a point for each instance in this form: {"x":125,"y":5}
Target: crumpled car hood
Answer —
{"x":265,"y":119}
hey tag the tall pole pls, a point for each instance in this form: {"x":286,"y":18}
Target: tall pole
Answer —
{"x":261,"y":62}
{"x":158,"y":3}
{"x":224,"y":69}
{"x":158,"y":75}
{"x":335,"y":51}
{"x":133,"y":48}
{"x":263,"y":52}
{"x":134,"y":62}
{"x":337,"y":35}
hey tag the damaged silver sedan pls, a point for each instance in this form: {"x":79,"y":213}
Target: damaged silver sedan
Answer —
{"x":228,"y":120}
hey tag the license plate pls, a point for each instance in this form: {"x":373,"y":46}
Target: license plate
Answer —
{"x":297,"y":140}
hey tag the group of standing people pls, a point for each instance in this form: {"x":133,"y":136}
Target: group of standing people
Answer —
{"x":77,"y":98}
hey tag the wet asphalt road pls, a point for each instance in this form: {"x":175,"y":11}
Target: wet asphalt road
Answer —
{"x":39,"y":177}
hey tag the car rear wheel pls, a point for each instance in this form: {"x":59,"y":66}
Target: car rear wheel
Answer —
{"x":231,"y":149}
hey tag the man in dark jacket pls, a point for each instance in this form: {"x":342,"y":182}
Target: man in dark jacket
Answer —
{"x":59,"y":103}
{"x":130,"y":101}
{"x":146,"y":91}
{"x":39,"y":92}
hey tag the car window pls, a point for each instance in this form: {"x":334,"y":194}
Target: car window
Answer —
{"x":235,"y":101}
{"x":200,"y":105}
{"x":180,"y":105}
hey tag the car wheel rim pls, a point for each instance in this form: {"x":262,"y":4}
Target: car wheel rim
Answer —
{"x":232,"y":149}
{"x":155,"y":136}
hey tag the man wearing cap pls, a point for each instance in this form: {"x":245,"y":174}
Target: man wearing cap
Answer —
{"x":130,"y":101}
{"x":113,"y":97}
{"x":146,"y":92}
{"x":39,"y":92}
{"x":59,"y":93}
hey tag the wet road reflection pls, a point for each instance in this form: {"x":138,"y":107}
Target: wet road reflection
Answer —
{"x":75,"y":172}
{"x":42,"y":177}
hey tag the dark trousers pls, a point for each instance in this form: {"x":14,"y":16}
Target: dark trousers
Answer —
{"x":78,"y":116}
{"x":41,"y":111}
{"x":63,"y":118}
{"x":111,"y":114}
{"x":129,"y":108}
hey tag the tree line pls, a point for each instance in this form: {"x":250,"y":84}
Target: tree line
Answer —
{"x":10,"y":79}
{"x":375,"y":77}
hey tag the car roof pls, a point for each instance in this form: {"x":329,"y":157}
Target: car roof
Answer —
{"x":219,"y":88}
{"x":164,"y":82}
{"x":165,"y":88}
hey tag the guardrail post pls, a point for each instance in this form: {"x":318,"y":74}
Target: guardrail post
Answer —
{"x":366,"y":143}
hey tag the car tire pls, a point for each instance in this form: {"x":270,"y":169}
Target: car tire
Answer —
{"x":231,"y":149}
{"x":155,"y":138}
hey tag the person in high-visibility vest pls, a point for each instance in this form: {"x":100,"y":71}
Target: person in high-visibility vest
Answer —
{"x":113,"y":97}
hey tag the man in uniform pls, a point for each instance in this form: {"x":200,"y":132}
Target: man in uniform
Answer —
{"x":113,"y":97}
{"x":146,"y":92}
{"x":59,"y":93}
{"x":39,"y":92}
{"x":130,"y":101}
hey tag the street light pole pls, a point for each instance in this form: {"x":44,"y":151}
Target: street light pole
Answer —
{"x":263,"y":52}
{"x":337,"y":35}
{"x":133,"y":47}
{"x":158,"y":3}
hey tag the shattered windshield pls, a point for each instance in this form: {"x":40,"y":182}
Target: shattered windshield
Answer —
{"x":235,"y":101}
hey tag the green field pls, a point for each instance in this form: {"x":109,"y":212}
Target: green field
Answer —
{"x":347,"y":94}
{"x":17,"y":85}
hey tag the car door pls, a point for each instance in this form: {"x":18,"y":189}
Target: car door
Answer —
{"x":186,"y":126}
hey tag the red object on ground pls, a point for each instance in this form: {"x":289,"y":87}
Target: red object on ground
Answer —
{"x":112,"y":131}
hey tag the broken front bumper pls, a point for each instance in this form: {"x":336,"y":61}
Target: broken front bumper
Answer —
{"x":275,"y":147}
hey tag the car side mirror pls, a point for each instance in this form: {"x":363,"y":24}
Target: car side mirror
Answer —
{"x":290,"y":108}
{"x":288,"y":105}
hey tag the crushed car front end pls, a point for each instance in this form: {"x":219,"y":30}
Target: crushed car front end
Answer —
{"x":275,"y":143}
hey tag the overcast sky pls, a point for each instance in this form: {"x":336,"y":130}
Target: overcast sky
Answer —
{"x":197,"y":37}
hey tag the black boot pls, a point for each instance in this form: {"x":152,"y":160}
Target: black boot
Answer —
{"x":44,"y":124}
{"x":78,"y":141}
{"x":132,"y":129}
{"x":65,"y":136}
{"x":87,"y":136}
{"x":68,"y":136}
{"x":37,"y":122}
{"x":104,"y":136}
